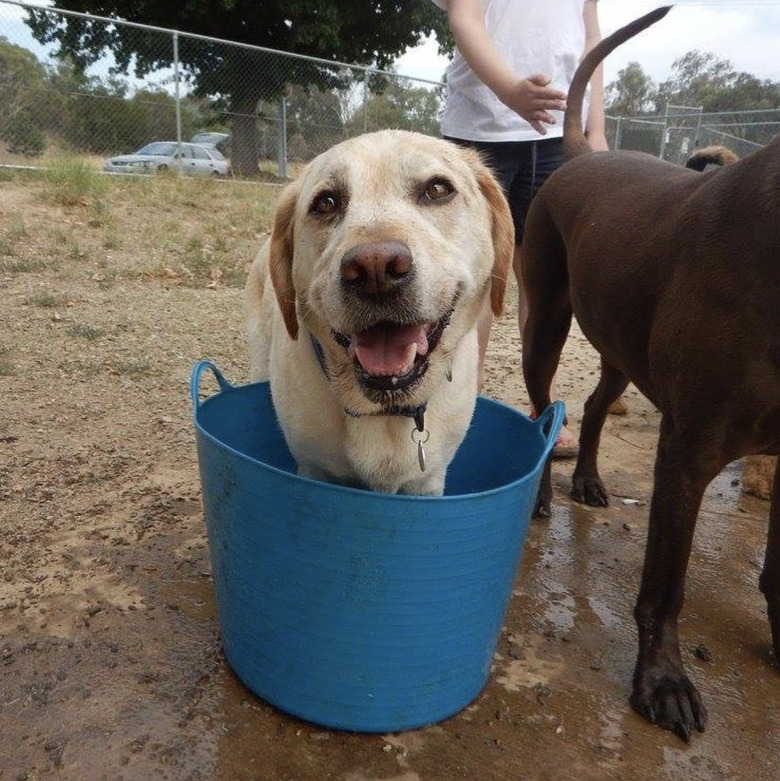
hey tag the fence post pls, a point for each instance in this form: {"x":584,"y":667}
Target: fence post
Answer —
{"x":697,"y":135}
{"x":282,"y":154}
{"x":618,"y":132}
{"x":177,"y":96}
{"x":664,"y":132}
{"x":366,"y":77}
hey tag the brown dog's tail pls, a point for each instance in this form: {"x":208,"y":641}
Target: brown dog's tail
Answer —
{"x":574,"y":141}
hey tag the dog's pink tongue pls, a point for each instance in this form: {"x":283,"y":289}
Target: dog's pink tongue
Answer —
{"x":389,"y":350}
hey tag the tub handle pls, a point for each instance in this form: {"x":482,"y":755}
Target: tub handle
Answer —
{"x":550,"y":422}
{"x":197,"y":374}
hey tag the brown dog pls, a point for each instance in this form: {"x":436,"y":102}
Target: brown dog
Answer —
{"x":674,"y":278}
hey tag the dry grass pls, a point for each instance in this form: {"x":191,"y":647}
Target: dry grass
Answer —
{"x":51,"y":156}
{"x":181,"y":231}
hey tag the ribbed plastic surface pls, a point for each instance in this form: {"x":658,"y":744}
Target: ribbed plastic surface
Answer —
{"x":356,"y":610}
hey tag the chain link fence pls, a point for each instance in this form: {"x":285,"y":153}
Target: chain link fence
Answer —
{"x":681,"y":130}
{"x":133,"y":84}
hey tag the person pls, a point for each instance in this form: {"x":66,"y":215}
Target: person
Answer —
{"x":506,"y":91}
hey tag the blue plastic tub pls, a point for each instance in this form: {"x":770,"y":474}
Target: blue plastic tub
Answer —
{"x":357,"y":610}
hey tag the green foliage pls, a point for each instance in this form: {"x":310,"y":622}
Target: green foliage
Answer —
{"x":315,"y":121}
{"x":23,"y":136}
{"x":401,"y":106}
{"x":355,"y":31}
{"x":701,"y":81}
{"x":698,"y":79}
{"x":85,"y":114}
{"x":101,"y":119}
{"x":71,"y":182}
{"x":632,"y":94}
{"x":349,"y":31}
{"x":24,"y":93}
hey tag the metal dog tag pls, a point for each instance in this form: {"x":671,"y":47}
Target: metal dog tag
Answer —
{"x":420,"y":438}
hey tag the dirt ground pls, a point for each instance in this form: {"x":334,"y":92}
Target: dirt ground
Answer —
{"x":110,"y":662}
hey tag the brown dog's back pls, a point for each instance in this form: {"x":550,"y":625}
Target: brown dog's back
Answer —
{"x":615,"y":211}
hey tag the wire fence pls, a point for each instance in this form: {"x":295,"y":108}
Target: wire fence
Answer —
{"x":681,"y":130}
{"x":133,"y":84}
{"x":128,"y":84}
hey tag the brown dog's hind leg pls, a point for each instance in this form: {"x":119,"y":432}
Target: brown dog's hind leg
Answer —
{"x":586,"y":485}
{"x":544,"y":335}
{"x":545,"y":278}
{"x":662,"y":692}
{"x":770,"y":576}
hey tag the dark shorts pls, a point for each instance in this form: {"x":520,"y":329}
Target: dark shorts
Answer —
{"x":521,"y":167}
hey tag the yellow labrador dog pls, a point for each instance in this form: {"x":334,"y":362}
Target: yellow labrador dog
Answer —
{"x":382,"y":256}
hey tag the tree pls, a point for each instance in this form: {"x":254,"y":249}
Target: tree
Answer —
{"x":23,"y":98}
{"x":703,"y":79}
{"x":397,"y":104}
{"x":314,"y":117}
{"x":371,"y":33}
{"x":698,"y":79}
{"x":632,"y":94}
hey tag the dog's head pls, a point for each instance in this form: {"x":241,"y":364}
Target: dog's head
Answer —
{"x":385,"y":250}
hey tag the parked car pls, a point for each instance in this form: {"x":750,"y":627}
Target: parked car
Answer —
{"x":213,"y":138}
{"x":194,"y":159}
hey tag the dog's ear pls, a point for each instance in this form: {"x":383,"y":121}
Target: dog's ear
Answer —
{"x":503,"y":231}
{"x":280,"y":259}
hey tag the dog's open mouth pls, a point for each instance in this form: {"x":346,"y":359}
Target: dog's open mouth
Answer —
{"x":392,"y":356}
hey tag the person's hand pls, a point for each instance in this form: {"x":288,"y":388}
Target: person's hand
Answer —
{"x":533,"y":99}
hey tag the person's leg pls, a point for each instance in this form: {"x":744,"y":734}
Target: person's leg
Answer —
{"x":503,"y":160}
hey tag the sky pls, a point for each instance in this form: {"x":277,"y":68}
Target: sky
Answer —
{"x":744,"y":32}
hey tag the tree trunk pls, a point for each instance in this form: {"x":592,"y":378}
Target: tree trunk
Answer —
{"x":244,"y":139}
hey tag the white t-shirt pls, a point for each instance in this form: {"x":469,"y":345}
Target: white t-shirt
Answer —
{"x":534,"y":36}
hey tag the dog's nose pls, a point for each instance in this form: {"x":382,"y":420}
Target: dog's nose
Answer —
{"x":376,"y":268}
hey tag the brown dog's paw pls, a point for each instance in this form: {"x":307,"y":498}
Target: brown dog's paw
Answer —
{"x":671,"y":701}
{"x":589,"y":490}
{"x":542,"y":508}
{"x":544,"y":495}
{"x":543,"y":501}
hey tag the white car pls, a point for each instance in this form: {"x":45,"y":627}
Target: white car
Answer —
{"x":194,"y":159}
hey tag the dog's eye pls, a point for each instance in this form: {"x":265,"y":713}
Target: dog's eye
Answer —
{"x":438,"y":191}
{"x":325,"y":204}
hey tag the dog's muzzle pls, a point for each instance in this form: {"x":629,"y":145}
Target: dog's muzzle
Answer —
{"x":390,"y":348}
{"x":392,"y":356}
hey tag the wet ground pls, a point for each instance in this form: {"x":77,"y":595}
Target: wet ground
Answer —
{"x":110,"y":659}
